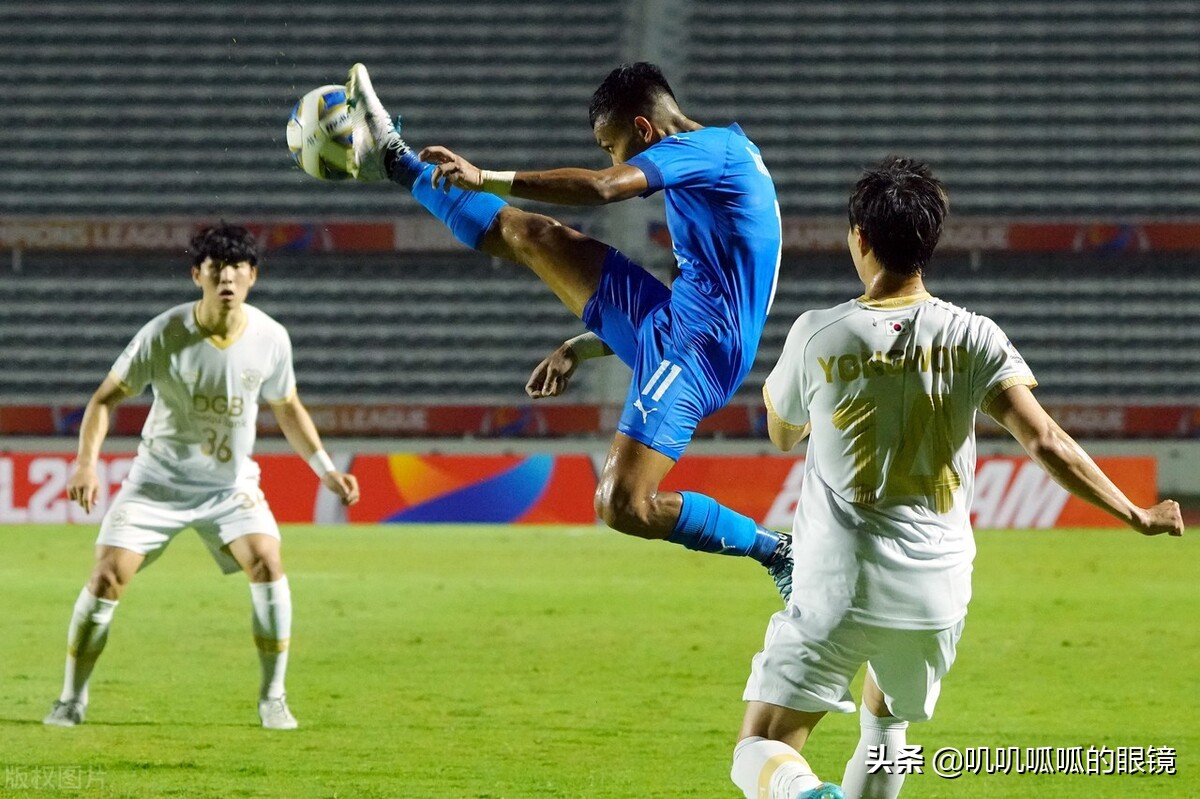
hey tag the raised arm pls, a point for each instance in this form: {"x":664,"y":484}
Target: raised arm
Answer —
{"x":570,"y":186}
{"x":1019,"y":412}
{"x":297,"y":426}
{"x":551,"y":376}
{"x":84,"y":486}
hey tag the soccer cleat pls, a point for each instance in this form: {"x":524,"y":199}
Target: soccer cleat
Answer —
{"x":826,"y":790}
{"x":275,"y":714}
{"x":65,"y":714}
{"x":374,"y":133}
{"x":779,"y":566}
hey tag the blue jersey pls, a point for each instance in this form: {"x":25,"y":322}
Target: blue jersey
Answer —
{"x":724,"y":221}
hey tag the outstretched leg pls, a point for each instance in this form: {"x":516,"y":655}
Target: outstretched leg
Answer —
{"x":567,"y":261}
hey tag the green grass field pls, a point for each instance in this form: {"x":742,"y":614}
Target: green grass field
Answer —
{"x":504,"y":663}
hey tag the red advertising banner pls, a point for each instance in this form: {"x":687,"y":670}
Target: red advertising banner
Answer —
{"x":33,"y":487}
{"x":1010,"y":492}
{"x":420,"y":234}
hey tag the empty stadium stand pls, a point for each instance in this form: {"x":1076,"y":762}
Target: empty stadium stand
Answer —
{"x":449,"y":329}
{"x":1027,"y":108}
{"x":1085,"y":108}
{"x":172,"y":107}
{"x":1032,"y":109}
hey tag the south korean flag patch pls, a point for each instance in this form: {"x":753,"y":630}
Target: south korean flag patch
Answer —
{"x":896,"y":327}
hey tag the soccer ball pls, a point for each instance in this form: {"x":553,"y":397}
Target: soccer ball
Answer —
{"x":319,"y":133}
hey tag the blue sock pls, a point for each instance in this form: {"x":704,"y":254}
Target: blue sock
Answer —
{"x":705,"y":525}
{"x":403,"y":166}
{"x":468,"y":214}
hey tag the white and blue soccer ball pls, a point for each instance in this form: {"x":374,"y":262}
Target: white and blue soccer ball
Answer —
{"x":319,"y":133}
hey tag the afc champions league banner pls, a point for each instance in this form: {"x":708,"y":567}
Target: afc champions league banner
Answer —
{"x":1010,"y":492}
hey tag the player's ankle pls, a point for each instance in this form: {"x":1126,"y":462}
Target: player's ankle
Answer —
{"x":402,"y":166}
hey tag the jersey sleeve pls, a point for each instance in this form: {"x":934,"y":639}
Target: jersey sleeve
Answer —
{"x":785,"y":391}
{"x":280,"y":385}
{"x":134,"y":367}
{"x":681,"y":161}
{"x":998,"y":365}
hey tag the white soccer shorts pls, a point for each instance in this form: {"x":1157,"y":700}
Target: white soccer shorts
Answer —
{"x":144,"y":517}
{"x":808,"y":661}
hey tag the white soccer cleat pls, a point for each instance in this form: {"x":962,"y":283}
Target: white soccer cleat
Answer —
{"x":374,"y":133}
{"x":65,"y":714}
{"x":275,"y":714}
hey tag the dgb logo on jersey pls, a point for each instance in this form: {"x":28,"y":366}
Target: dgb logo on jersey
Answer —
{"x":219,"y":404}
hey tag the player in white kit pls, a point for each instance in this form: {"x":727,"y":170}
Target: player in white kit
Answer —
{"x":886,"y":387}
{"x":208,"y":363}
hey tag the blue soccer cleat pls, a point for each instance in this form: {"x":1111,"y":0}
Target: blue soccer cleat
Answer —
{"x":826,"y":790}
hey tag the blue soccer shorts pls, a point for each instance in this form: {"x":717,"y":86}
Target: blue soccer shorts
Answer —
{"x":681,"y":368}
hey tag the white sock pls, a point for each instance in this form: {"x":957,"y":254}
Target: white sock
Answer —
{"x":888,"y":733}
{"x":766,"y":769}
{"x":86,"y":636}
{"x":271,"y":621}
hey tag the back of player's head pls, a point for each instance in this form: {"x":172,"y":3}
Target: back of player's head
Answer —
{"x":628,"y":91}
{"x":224,"y":243}
{"x":899,"y":207}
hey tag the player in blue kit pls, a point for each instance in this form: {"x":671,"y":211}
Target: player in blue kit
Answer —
{"x":691,"y":345}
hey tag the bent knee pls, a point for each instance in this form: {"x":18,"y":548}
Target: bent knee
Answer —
{"x":526,"y":233}
{"x":107,"y":581}
{"x":265,"y":569}
{"x":627,"y":512}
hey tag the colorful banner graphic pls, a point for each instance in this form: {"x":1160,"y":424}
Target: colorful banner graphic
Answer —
{"x":1010,"y":492}
{"x":530,"y":489}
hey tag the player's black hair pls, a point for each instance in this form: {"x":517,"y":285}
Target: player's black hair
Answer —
{"x":630,"y":90}
{"x":900,"y":206}
{"x":224,"y":243}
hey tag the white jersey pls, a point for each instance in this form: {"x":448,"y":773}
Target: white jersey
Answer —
{"x":201,"y":428}
{"x":890,"y":388}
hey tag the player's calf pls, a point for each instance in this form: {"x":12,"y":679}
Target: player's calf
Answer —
{"x":767,"y":769}
{"x":642,"y":514}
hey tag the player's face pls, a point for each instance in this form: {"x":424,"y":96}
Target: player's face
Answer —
{"x":226,"y":284}
{"x":621,"y":142}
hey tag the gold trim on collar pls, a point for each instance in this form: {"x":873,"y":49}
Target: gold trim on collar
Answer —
{"x":220,"y":342}
{"x":896,"y":302}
